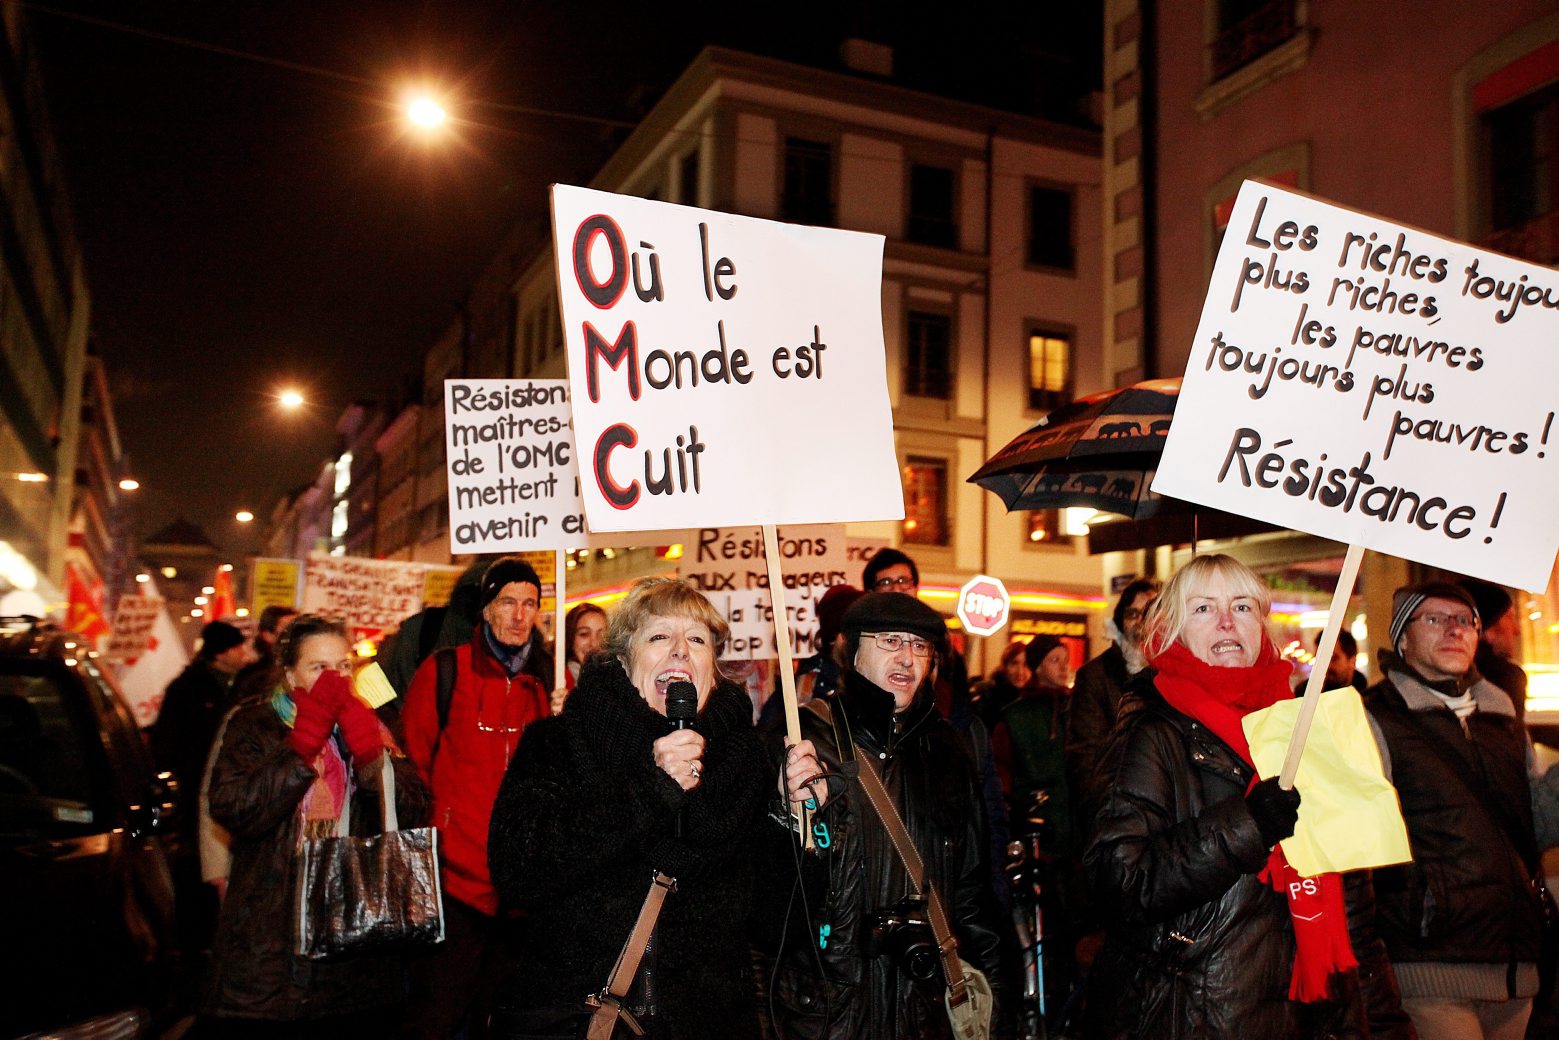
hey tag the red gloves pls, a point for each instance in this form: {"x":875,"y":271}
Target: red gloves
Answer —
{"x":317,"y":711}
{"x":360,"y":727}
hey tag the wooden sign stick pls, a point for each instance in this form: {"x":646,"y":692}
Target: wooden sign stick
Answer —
{"x":787,"y":670}
{"x":559,"y":651}
{"x":1323,"y":654}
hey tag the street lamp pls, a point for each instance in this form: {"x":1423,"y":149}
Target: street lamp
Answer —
{"x":129,"y":484}
{"x":424,"y":112}
{"x":290,"y":399}
{"x":243,"y":516}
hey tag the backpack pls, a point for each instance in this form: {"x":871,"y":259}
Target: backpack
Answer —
{"x":446,"y":665}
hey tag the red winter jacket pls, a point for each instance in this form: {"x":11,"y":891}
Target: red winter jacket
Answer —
{"x":486,"y":714}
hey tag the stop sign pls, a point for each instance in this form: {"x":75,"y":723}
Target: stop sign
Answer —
{"x":983,"y":605}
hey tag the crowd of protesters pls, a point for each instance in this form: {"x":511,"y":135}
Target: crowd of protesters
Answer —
{"x":859,"y":883}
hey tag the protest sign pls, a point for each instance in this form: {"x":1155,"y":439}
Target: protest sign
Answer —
{"x":273,"y":582}
{"x":720,"y":363}
{"x":372,"y":596}
{"x":513,"y":478}
{"x":134,"y":617}
{"x":728,"y":565}
{"x":1377,"y":385}
{"x":144,"y":677}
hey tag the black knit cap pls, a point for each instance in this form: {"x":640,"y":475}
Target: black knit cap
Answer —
{"x":894,"y":612}
{"x":503,"y":571}
{"x":1039,"y":648}
{"x":219,"y":637}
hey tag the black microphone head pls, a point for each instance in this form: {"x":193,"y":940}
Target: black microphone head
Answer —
{"x":681,"y":702}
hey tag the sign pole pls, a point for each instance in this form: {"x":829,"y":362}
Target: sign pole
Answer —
{"x":787,"y":670}
{"x":1323,"y":654}
{"x":559,"y":651}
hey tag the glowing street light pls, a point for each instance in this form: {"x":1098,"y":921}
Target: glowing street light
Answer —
{"x":33,"y":478}
{"x":290,"y":399}
{"x":243,"y":516}
{"x":129,"y":484}
{"x":424,"y":112}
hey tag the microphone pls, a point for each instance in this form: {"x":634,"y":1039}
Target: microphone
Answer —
{"x":681,"y":709}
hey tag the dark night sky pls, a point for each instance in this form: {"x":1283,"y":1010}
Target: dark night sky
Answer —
{"x":246,"y":225}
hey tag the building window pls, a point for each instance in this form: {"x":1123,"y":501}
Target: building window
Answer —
{"x":927,"y":357}
{"x":1044,"y":526}
{"x":809,"y":182}
{"x":931,"y":198}
{"x":687,"y":179}
{"x":1247,"y":29}
{"x":1050,"y":369}
{"x":1050,"y":228}
{"x":1523,"y":175}
{"x":925,"y":501}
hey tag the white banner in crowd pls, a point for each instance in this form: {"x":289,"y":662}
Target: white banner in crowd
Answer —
{"x":134,"y":617}
{"x":143,"y":677}
{"x":725,"y":370}
{"x":371,"y":596}
{"x":1374,"y":384}
{"x":727,"y":564}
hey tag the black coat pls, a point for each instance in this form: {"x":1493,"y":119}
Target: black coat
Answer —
{"x":855,"y":873}
{"x":1464,"y":897}
{"x":192,"y":709}
{"x":257,"y":783}
{"x":1197,"y":946}
{"x":583,"y":821}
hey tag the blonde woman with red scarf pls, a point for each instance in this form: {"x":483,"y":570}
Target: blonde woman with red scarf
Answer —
{"x":1211,"y":935}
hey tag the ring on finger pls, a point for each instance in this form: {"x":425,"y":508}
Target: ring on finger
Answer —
{"x":695,"y":770}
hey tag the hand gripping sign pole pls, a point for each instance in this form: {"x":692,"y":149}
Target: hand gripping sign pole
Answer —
{"x":787,"y":671}
{"x":1323,"y":654}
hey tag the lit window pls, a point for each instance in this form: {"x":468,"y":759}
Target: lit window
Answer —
{"x":1050,"y":370}
{"x":925,"y":501}
{"x":1044,"y":525}
{"x":343,"y":473}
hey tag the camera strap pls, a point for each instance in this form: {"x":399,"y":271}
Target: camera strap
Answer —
{"x":607,"y":1005}
{"x":947,"y":944}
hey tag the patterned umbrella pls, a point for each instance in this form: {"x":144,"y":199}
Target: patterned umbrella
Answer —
{"x":1100,"y":451}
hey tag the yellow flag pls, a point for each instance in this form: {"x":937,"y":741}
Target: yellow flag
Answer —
{"x":1349,"y":817}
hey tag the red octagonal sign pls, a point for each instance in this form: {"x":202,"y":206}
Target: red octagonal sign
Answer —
{"x":983,"y":605}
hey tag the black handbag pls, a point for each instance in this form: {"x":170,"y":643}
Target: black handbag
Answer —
{"x":361,"y":895}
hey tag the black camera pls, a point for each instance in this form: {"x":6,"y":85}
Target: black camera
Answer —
{"x":903,"y":933}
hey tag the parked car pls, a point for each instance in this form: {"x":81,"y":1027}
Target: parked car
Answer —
{"x":87,"y":848}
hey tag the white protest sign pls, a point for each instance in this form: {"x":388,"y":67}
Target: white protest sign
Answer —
{"x":1377,"y":385}
{"x":144,"y":677}
{"x":728,"y":565}
{"x":513,"y":479}
{"x":721,"y":363}
{"x":134,"y":617}
{"x":371,"y":596}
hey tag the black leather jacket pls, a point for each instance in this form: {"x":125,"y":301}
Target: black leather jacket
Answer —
{"x":855,"y":873}
{"x":1198,"y":946}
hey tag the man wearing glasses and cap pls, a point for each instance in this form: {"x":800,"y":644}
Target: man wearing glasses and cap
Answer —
{"x":1462,"y":922}
{"x":464,"y":713}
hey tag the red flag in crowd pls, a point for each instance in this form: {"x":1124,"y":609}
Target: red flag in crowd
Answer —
{"x":221,"y":604}
{"x":83,"y":608}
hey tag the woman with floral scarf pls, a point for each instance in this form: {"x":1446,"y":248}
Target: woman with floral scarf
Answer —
{"x":1210,"y":933}
{"x":288,"y":766}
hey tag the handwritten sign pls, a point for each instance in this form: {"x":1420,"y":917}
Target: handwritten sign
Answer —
{"x":372,"y":596}
{"x":513,"y":479}
{"x":727,"y":564}
{"x":273,"y":582}
{"x":134,"y":617}
{"x":1374,"y":384}
{"x":720,"y":365}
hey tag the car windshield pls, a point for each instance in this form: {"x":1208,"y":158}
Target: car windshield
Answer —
{"x":46,"y":782}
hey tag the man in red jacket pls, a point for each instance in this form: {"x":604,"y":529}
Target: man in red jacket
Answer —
{"x":462,"y":742}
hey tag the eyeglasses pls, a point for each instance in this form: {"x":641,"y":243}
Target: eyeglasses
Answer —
{"x":893,"y":643}
{"x":1447,"y":621}
{"x":884,"y":584}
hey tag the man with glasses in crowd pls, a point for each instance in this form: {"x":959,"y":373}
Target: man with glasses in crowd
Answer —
{"x":464,"y":713}
{"x":1462,"y":921}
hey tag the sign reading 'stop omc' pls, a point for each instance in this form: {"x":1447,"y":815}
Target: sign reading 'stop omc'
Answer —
{"x":724,"y":370}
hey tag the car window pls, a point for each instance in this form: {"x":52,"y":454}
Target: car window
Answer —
{"x":45,"y":776}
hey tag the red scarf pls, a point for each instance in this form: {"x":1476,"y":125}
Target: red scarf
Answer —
{"x":1219,"y":698}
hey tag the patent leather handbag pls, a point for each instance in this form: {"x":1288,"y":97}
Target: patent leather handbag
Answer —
{"x":369,"y":894}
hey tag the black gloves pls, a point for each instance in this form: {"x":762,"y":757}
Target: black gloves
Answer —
{"x":1274,"y":810}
